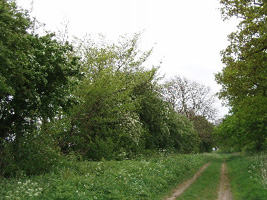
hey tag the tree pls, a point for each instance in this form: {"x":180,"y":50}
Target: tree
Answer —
{"x":122,"y":111}
{"x":205,"y":130}
{"x":37,"y":74}
{"x":153,"y":114}
{"x":246,"y":128}
{"x":244,"y":77}
{"x":106,"y":120}
{"x":183,"y":136}
{"x":245,"y":58}
{"x":189,"y":98}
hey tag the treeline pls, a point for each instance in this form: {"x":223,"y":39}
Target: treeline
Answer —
{"x":92,"y":99}
{"x":244,"y":78}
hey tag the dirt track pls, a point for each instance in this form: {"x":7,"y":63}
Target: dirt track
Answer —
{"x":224,"y":190}
{"x":181,"y":188}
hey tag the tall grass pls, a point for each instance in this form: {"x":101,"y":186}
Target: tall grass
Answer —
{"x":261,"y":163}
{"x":130,"y":179}
{"x":248,"y":177}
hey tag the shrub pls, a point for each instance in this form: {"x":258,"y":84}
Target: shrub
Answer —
{"x":35,"y":153}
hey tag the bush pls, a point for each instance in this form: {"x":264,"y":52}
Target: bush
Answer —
{"x":182,"y":133}
{"x":101,"y":149}
{"x":32,"y":154}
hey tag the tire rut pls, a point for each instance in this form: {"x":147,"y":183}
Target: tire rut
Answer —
{"x":224,"y":188}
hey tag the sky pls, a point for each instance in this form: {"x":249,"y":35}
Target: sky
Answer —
{"x":187,"y":36}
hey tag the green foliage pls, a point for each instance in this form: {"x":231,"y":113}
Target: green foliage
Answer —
{"x":108,"y":109}
{"x":37,"y":74}
{"x":245,"y":57}
{"x":244,"y":79}
{"x":183,"y":136}
{"x":103,"y":105}
{"x":195,"y":101}
{"x":246,"y":128}
{"x":258,"y":169}
{"x":253,"y":121}
{"x":122,"y":112}
{"x":156,"y":134}
{"x":244,"y":174}
{"x":13,"y":26}
{"x":225,"y":134}
{"x":130,"y":179}
{"x":33,"y":154}
{"x":205,"y":132}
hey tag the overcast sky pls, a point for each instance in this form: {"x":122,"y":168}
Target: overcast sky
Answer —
{"x":187,"y":36}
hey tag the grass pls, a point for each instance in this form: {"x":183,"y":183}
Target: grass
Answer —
{"x":142,"y":179}
{"x":130,"y":179}
{"x":206,"y":186}
{"x":247,"y":175}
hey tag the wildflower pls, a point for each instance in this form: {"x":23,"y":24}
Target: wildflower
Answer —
{"x":36,"y":194}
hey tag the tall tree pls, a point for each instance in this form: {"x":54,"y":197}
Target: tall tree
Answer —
{"x":205,"y":130}
{"x":245,"y":73}
{"x":244,"y":77}
{"x":189,"y":98}
{"x":114,"y":77}
{"x":37,"y":73}
{"x":122,"y":111}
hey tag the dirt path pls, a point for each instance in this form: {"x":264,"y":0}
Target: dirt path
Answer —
{"x":181,"y":188}
{"x":224,"y":190}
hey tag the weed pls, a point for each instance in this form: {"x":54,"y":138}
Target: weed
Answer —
{"x":260,"y":169}
{"x":129,"y":179}
{"x":246,"y":177}
{"x":24,"y":190}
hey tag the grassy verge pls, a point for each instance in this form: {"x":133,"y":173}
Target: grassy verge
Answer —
{"x":247,"y":177}
{"x":206,"y":186}
{"x":133,"y":179}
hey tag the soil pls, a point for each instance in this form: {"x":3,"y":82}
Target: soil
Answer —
{"x":224,"y":190}
{"x":181,"y":188}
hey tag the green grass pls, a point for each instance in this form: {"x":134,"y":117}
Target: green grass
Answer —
{"x":149,"y":179}
{"x":206,"y":186}
{"x":130,"y":179}
{"x":247,"y":180}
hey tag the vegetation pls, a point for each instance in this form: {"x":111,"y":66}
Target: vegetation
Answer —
{"x":205,"y":130}
{"x":195,"y":101}
{"x":248,"y":176}
{"x":130,"y":179}
{"x":190,"y":98}
{"x":244,"y":79}
{"x":142,"y":178}
{"x":37,"y":75}
{"x":92,"y":99}
{"x":37,"y":84}
{"x":88,"y":119}
{"x":206,"y":186}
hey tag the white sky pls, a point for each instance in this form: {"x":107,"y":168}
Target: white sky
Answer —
{"x":186,"y":35}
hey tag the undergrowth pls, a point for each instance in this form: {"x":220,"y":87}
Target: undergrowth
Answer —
{"x":248,"y":176}
{"x":130,"y":179}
